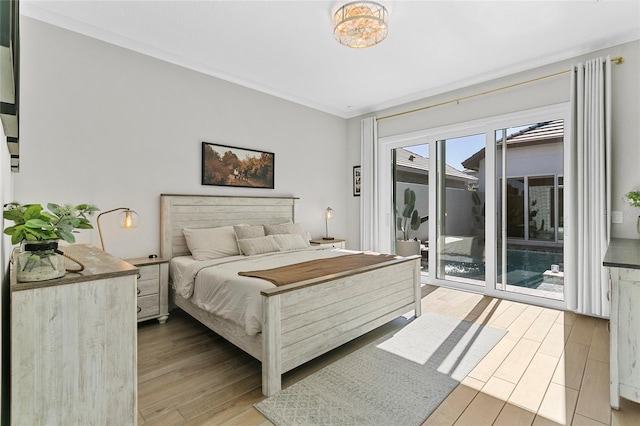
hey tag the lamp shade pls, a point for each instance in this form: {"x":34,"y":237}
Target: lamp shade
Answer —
{"x":127,"y":219}
{"x":328,"y":214}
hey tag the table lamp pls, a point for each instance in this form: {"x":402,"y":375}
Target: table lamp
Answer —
{"x":127,"y":218}
{"x":328,"y":215}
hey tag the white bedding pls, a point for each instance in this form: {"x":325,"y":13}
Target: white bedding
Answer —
{"x":215,"y":286}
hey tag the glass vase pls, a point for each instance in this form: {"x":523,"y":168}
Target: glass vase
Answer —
{"x":38,"y":261}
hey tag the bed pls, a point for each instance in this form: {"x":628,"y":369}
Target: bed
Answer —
{"x":301,"y":320}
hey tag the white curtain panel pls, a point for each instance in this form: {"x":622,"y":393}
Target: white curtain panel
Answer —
{"x":368,"y":189}
{"x":588,"y":186}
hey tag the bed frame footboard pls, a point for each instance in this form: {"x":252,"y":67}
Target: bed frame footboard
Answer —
{"x":305,"y":320}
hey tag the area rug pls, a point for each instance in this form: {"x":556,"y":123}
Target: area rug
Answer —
{"x":400,"y":379}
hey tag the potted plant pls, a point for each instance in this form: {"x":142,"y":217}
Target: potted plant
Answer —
{"x":38,"y":231}
{"x":478,"y":211}
{"x":406,"y":222}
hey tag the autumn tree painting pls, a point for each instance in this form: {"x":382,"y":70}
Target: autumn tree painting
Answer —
{"x":230,"y":166}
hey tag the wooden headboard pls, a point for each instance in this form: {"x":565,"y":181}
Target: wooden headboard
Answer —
{"x":178,"y":211}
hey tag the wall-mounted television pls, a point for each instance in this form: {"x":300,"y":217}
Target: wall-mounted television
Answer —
{"x":10,"y":75}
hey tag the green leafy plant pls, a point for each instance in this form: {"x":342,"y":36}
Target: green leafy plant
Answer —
{"x":409,"y":220}
{"x":33,"y":223}
{"x":477,"y":210}
{"x":633,"y":198}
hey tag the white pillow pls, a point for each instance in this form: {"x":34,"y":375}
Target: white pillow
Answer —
{"x":211,"y":243}
{"x":288,"y":242}
{"x":287,"y":228}
{"x":282,"y":228}
{"x":260,"y":245}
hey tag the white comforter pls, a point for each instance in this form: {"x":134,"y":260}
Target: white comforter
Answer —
{"x":215,"y":286}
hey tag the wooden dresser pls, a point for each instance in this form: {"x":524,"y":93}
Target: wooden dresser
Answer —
{"x":623,"y":260}
{"x":74,"y":344}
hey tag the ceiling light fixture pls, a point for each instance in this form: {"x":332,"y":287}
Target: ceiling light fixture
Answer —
{"x":360,"y":24}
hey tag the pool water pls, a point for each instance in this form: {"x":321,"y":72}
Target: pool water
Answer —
{"x":524,"y":267}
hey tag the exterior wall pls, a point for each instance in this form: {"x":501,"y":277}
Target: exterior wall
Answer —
{"x":459,"y":216}
{"x":537,"y":160}
{"x":422,"y":206}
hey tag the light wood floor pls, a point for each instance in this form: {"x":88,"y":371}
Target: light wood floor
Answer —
{"x":552,"y":368}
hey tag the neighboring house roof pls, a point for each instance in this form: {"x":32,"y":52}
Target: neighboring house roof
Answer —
{"x":410,"y":160}
{"x":537,"y":134}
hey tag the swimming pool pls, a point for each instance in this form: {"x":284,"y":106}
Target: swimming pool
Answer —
{"x":524,"y":267}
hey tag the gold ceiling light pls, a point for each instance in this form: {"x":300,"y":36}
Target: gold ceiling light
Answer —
{"x":360,"y":24}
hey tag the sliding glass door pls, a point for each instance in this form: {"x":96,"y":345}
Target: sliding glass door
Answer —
{"x":529,"y":169}
{"x":411,"y":200}
{"x":491,"y":198}
{"x":460,"y":212}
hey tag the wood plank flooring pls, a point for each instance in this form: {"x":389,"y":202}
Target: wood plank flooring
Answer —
{"x":552,"y":368}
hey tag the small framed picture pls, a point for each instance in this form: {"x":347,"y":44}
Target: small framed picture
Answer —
{"x":357,"y":171}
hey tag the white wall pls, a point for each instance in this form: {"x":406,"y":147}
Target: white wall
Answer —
{"x":6,"y":193}
{"x":353,"y":204}
{"x":104,"y":125}
{"x":625,"y":123}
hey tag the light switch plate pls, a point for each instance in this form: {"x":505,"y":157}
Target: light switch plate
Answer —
{"x":616,"y":217}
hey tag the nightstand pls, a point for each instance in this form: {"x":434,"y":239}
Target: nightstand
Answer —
{"x":336,"y":243}
{"x":153,"y":288}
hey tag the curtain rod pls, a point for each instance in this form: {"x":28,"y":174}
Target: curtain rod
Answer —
{"x":617,"y":60}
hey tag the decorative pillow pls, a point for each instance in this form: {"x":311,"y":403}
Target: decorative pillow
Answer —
{"x":260,"y":245}
{"x":282,"y":228}
{"x":248,"y":231}
{"x":287,"y":228}
{"x":288,"y":242}
{"x":211,"y":243}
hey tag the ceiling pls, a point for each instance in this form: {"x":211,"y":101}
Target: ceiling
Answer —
{"x":287,"y":49}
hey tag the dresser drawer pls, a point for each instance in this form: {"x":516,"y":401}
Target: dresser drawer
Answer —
{"x":627,"y":274}
{"x":147,"y":287}
{"x":151,"y":272}
{"x":148,"y":305}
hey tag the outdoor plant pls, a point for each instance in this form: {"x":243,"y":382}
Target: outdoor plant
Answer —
{"x":633,"y":198}
{"x":477,"y":210}
{"x":33,"y":223}
{"x":409,"y":220}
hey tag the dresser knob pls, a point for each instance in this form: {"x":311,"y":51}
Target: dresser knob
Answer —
{"x":139,"y":309}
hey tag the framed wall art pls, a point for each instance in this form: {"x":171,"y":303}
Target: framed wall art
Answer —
{"x":225,"y":165}
{"x":356,"y":180}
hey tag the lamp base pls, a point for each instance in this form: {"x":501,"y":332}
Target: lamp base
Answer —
{"x":328,"y":238}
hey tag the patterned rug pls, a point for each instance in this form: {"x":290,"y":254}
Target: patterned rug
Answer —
{"x":398,"y":380}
